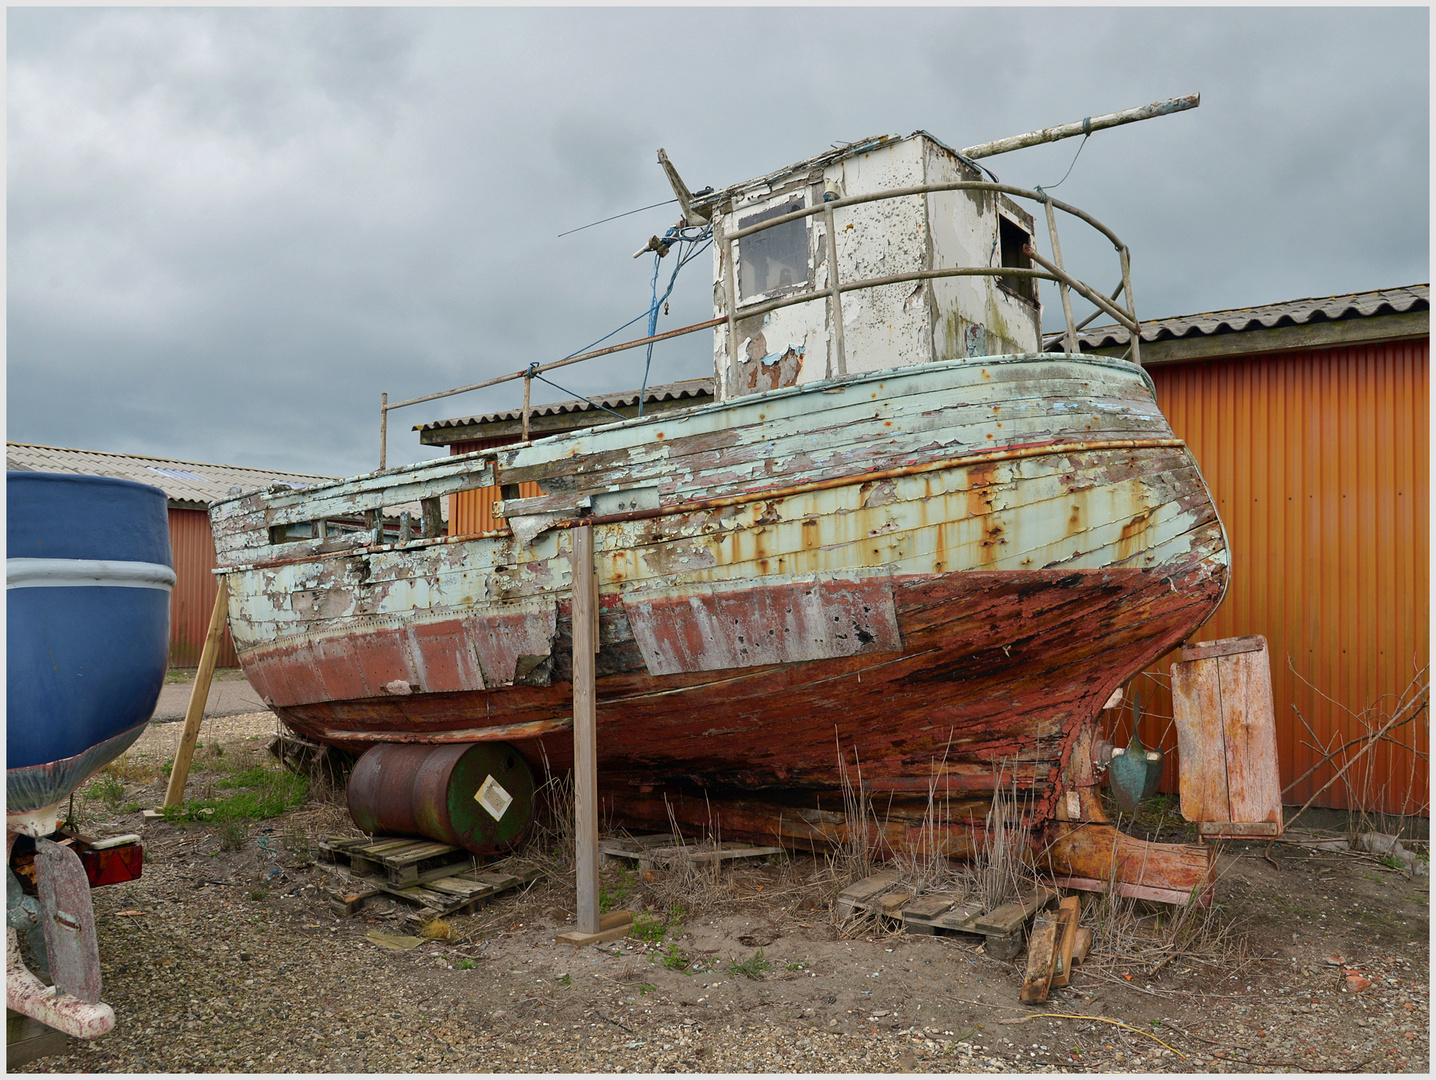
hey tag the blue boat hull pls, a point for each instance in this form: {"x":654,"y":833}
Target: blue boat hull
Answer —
{"x":89,"y":573}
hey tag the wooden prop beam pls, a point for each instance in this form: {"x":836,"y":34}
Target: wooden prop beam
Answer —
{"x":199,"y":694}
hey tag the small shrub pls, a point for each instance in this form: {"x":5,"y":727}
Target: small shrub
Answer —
{"x":109,"y":789}
{"x":233,"y":832}
{"x":752,"y":968}
{"x":674,"y":959}
{"x":649,"y":928}
{"x":437,"y":930}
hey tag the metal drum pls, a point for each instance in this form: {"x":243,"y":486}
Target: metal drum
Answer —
{"x":478,"y":796}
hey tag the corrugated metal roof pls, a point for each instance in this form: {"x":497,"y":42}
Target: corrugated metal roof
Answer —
{"x":676,"y":391}
{"x":1303,"y":312}
{"x":189,"y":482}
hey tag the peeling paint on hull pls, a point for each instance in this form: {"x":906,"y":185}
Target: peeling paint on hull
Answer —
{"x":943,"y":571}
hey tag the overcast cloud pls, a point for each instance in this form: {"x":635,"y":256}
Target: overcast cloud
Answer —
{"x":229,"y":230}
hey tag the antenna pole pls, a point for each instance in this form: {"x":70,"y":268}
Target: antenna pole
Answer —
{"x":1083,"y":127}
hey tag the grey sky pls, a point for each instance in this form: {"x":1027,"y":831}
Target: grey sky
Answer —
{"x":229,"y":230}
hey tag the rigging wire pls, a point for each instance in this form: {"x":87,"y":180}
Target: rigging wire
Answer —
{"x":1042,"y":191}
{"x":615,"y":217}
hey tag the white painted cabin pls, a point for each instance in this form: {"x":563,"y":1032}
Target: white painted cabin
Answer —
{"x":887,"y":326}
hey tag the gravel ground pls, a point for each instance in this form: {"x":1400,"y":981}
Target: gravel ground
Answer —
{"x":232,"y":961}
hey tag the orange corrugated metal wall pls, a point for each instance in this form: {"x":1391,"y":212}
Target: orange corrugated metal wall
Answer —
{"x":192,"y":600}
{"x":1318,"y":461}
{"x":472,"y":511}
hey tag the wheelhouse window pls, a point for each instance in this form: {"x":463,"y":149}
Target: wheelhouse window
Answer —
{"x":775,"y":259}
{"x":1011,"y":238}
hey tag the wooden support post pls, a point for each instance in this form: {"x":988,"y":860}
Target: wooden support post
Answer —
{"x":198,"y":695}
{"x":585,"y":745}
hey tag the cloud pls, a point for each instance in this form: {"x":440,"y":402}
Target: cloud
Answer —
{"x":231,"y":229}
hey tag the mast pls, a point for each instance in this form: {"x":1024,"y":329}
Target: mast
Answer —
{"x":1083,"y":127}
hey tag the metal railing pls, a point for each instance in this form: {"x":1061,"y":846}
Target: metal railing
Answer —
{"x":1052,"y":270}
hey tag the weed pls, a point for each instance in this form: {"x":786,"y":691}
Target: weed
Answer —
{"x":615,"y":894}
{"x":797,"y":967}
{"x":646,"y":988}
{"x":469,"y":965}
{"x":130,"y":808}
{"x":258,"y":793}
{"x":675,"y":959}
{"x":233,"y":832}
{"x":564,"y":980}
{"x":437,"y":930}
{"x":108,"y":788}
{"x":295,"y":839}
{"x":259,"y":894}
{"x":648,"y":928}
{"x":167,"y":768}
{"x":752,"y":968}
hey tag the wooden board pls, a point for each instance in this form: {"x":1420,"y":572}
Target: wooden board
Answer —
{"x":27,"y":1039}
{"x":1068,"y":911}
{"x":1226,"y":735}
{"x":1041,"y":958}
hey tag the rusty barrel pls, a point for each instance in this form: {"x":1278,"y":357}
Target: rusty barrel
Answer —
{"x":478,"y":796}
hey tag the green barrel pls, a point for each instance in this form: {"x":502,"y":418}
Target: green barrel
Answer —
{"x":478,"y":796}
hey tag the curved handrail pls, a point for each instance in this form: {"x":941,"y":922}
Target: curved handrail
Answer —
{"x":1049,"y":271}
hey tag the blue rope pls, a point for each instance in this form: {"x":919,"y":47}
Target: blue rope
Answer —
{"x":671,"y":236}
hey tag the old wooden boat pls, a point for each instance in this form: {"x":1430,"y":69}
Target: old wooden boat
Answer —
{"x":906,"y":541}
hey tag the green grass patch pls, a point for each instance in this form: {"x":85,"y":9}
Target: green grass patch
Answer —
{"x":257,"y":794}
{"x":751,"y":968}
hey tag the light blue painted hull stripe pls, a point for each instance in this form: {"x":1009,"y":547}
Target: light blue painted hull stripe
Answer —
{"x":71,"y":573}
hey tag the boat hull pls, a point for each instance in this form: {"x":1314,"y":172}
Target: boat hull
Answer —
{"x":87,"y":607}
{"x":936,"y":577}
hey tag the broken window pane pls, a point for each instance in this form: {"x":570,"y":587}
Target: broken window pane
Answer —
{"x":776,"y":258}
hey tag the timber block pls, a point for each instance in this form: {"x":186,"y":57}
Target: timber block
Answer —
{"x":1041,"y":960}
{"x":1081,"y":942}
{"x":27,"y":1039}
{"x":861,"y":893}
{"x":1068,"y":912}
{"x":614,"y":925}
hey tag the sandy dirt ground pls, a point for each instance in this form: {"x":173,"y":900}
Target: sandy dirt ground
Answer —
{"x":220,"y":960}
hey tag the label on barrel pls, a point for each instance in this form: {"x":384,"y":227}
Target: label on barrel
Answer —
{"x":493,"y":798}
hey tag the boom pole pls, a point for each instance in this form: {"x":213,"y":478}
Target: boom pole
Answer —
{"x":1084,"y":127}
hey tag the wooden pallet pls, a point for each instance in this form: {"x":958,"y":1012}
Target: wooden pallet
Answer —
{"x":433,"y":886}
{"x":399,"y":860}
{"x":666,"y":849}
{"x":944,"y":913}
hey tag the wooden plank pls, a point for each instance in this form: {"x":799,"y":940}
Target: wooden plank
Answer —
{"x":1249,"y":727}
{"x":198,"y":695}
{"x":930,"y":906}
{"x":1217,"y":829}
{"x":859,"y":893}
{"x":1008,"y":917}
{"x":1068,"y":911}
{"x":1081,"y":942}
{"x":27,"y":1039}
{"x":891,"y":904}
{"x":1041,"y":959}
{"x":1208,"y":650}
{"x":1197,"y":712}
{"x":615,"y":924}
